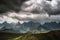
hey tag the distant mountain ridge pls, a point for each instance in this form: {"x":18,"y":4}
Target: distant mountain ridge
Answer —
{"x":29,"y":27}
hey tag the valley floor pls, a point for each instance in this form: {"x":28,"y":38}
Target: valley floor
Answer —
{"x":52,"y":35}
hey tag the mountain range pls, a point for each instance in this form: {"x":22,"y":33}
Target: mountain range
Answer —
{"x":29,"y":27}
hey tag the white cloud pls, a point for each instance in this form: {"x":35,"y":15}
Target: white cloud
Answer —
{"x":41,"y":18}
{"x":42,"y":6}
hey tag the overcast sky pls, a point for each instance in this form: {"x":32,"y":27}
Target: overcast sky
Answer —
{"x":34,"y":10}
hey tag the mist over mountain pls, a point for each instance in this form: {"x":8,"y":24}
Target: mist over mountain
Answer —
{"x":29,"y":27}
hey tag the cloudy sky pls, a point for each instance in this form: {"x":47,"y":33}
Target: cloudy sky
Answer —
{"x":34,"y":10}
{"x":41,"y":11}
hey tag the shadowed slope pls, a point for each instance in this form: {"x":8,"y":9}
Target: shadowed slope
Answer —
{"x":52,"y":35}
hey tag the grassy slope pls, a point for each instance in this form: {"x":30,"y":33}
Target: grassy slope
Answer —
{"x":53,"y":35}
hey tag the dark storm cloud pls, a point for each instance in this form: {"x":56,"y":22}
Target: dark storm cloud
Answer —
{"x":50,"y":7}
{"x":10,"y":5}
